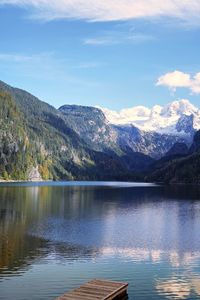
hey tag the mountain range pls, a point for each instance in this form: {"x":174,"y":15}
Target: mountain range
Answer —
{"x":38,"y":141}
{"x":169,"y":119}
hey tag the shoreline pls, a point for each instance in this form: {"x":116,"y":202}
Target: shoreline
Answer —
{"x":21,"y":181}
{"x":122,"y":181}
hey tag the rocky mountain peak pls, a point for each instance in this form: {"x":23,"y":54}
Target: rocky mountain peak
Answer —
{"x":173,"y":118}
{"x":179,"y":107}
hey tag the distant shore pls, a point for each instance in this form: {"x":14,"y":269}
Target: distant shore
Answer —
{"x":18,"y":181}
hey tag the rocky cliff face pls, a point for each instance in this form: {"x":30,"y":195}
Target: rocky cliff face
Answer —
{"x":34,"y":174}
{"x":154,"y":131}
{"x":152,"y":144}
{"x":77,"y":142}
{"x":171,"y":119}
{"x":34,"y":133}
{"x":90,"y":124}
{"x":100,"y":134}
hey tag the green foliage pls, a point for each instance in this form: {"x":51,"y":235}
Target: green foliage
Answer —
{"x":63,"y":144}
{"x":12,"y":139}
{"x":45,"y":169}
{"x":34,"y":133}
{"x":179,"y":169}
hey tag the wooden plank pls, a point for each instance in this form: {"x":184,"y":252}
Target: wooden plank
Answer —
{"x":97,"y":289}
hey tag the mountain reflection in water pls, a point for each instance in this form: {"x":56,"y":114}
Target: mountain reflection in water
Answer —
{"x":146,"y":235}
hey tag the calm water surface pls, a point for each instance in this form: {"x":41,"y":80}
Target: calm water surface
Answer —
{"x":56,"y":236}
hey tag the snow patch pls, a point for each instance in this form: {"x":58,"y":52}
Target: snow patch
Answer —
{"x":161,"y":119}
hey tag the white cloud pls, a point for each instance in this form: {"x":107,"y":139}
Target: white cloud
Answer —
{"x":88,"y":65}
{"x":110,"y":10}
{"x":115,"y":38}
{"x":100,"y":41}
{"x":50,"y":67}
{"x":162,"y":119}
{"x":15,"y":57}
{"x":175,"y":79}
{"x":178,"y":79}
{"x":24,"y":58}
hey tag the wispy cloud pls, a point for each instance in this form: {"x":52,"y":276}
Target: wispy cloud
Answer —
{"x":111,"y":10}
{"x":118,"y":37}
{"x":178,"y":79}
{"x":100,"y":41}
{"x":50,"y":65}
{"x":48,"y":56}
{"x":23,"y":58}
{"x":15,"y":58}
{"x":88,"y":65}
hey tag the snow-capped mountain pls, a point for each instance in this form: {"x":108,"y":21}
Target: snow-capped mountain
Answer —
{"x":89,"y":143}
{"x":176,"y":118}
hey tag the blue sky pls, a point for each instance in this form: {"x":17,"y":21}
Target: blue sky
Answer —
{"x":112,"y":58}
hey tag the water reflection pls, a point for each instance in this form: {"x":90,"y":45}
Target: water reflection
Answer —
{"x":149,"y":234}
{"x":179,"y":288}
{"x":174,"y":258}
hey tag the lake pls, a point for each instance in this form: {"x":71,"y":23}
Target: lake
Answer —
{"x":56,"y":236}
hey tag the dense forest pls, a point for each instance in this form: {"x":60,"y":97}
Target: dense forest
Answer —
{"x":37,"y":143}
{"x":182,"y":168}
{"x":40,"y":142}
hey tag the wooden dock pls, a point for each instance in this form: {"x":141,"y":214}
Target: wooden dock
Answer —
{"x":98,"y":290}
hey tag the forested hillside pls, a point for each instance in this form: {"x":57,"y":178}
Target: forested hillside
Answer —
{"x":40,"y":142}
{"x":37,"y":143}
{"x":179,"y":168}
